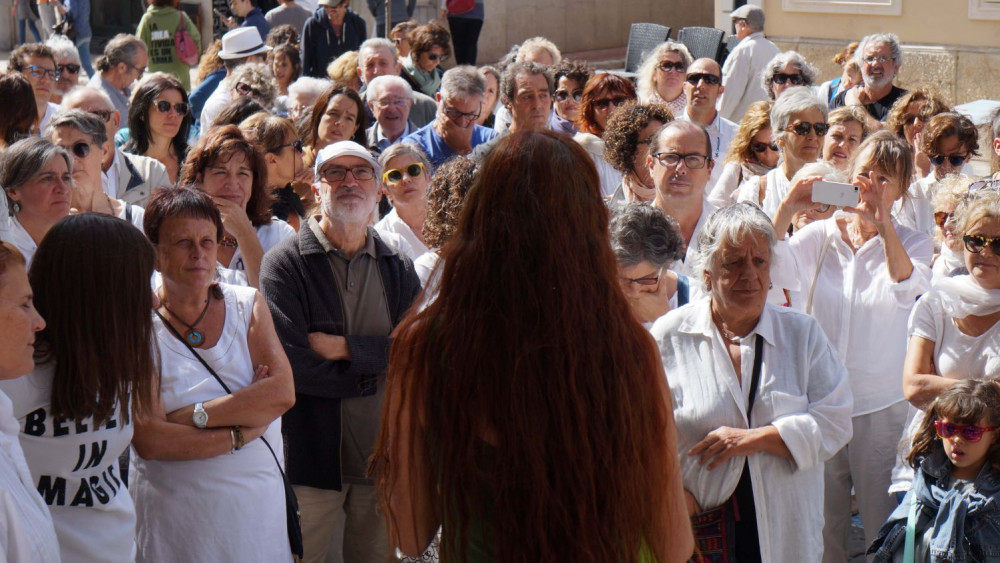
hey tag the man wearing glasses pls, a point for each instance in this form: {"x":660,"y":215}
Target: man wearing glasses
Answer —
{"x":680,"y":163}
{"x":336,"y":292}
{"x":389,"y":99}
{"x":124,"y":61}
{"x":745,"y":65}
{"x":377,"y":57}
{"x":702,"y":87}
{"x":454,"y":130}
{"x":37,"y":63}
{"x":880,"y":58}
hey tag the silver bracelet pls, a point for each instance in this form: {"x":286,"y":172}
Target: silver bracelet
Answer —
{"x":232,"y":440}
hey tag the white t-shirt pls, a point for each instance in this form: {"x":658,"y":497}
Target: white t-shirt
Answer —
{"x":392,"y":228}
{"x":15,"y":234}
{"x":269,"y":235}
{"x":26,"y":531}
{"x":915,"y":210}
{"x":74,"y":466}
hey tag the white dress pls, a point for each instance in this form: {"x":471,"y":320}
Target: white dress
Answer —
{"x":228,"y":508}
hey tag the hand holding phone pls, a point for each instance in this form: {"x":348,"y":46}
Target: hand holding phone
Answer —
{"x":835,"y":193}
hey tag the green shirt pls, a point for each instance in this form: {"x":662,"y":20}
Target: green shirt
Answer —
{"x":156,"y":29}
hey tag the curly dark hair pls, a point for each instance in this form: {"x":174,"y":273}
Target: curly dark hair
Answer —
{"x":577,"y":71}
{"x":283,"y":35}
{"x":621,"y":137}
{"x":950,"y":124}
{"x":427,"y":36}
{"x":449,"y":186}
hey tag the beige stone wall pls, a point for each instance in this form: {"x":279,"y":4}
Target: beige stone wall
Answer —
{"x":959,"y":73}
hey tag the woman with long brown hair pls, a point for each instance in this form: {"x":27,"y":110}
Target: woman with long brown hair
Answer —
{"x":526,"y":411}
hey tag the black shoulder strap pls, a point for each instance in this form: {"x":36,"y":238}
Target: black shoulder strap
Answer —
{"x":758,"y":360}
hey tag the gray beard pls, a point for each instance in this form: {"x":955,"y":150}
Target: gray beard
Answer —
{"x":875,"y":84}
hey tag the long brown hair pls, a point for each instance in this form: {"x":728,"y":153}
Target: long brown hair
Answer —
{"x":90,"y":276}
{"x":966,"y":402}
{"x":540,"y":396}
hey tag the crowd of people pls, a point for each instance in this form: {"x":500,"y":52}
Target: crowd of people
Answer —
{"x":331,"y":301}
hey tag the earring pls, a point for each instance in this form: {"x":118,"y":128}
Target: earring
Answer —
{"x":771,"y":285}
{"x":15,"y":208}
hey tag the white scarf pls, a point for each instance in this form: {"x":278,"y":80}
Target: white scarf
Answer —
{"x":962,"y":296}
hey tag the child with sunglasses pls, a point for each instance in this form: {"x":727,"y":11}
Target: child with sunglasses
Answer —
{"x":950,"y":514}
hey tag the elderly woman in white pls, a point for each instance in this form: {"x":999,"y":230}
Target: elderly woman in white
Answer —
{"x":771,"y":462}
{"x":860,"y":273}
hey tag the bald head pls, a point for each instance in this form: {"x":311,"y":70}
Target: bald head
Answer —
{"x":705,"y":65}
{"x":702,"y":88}
{"x":95,"y":101}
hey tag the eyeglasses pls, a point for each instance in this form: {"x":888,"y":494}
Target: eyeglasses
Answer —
{"x":296,"y":144}
{"x":761,"y":147}
{"x":563,"y":95}
{"x":667,"y":66}
{"x":138,"y":70}
{"x":692,"y":161}
{"x":941,"y":218}
{"x":880,"y":59}
{"x":38,"y":72}
{"x":70,"y":68}
{"x":954,"y":160}
{"x":395,"y":175}
{"x":711,"y":79}
{"x":647,"y":281}
{"x":80,"y":149}
{"x":781,"y":78}
{"x":437,"y":57}
{"x":164,"y":106}
{"x":339,"y":173}
{"x":105,"y":115}
{"x":604,"y":103}
{"x":966,"y":431}
{"x":245,"y":89}
{"x":803,"y":127}
{"x":398,"y":102}
{"x":976,"y":243}
{"x":456,"y":115}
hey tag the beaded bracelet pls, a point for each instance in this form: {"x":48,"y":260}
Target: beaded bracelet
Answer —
{"x":239,"y":438}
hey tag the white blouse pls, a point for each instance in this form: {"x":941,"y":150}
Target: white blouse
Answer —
{"x":803,"y":393}
{"x":398,"y":234}
{"x":863,"y":312}
{"x":776,"y":188}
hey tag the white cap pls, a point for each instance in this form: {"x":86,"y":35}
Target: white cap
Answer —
{"x":345,"y":148}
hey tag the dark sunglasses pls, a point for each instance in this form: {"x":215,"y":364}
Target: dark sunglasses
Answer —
{"x":395,"y":175}
{"x":246,"y":90}
{"x":667,"y":66}
{"x":603,"y":103}
{"x":976,"y":243}
{"x":164,"y":106}
{"x":296,"y":144}
{"x":80,"y":149}
{"x":955,"y":160}
{"x":802,"y":128}
{"x":563,"y":95}
{"x":941,"y":218}
{"x":966,"y":431}
{"x":781,"y":78}
{"x":761,"y":147}
{"x":697,"y":77}
{"x":436,"y":57}
{"x":70,"y":68}
{"x":913,"y":119}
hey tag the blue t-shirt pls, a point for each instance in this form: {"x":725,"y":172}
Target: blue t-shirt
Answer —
{"x":435,"y":147}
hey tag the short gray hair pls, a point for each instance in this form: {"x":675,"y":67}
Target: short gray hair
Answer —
{"x":889,"y":39}
{"x":648,"y":68}
{"x":792,"y":101}
{"x":309,"y":85}
{"x":643,"y":233}
{"x":379,"y":83}
{"x":731,"y":225}
{"x":63,"y":48}
{"x":462,"y":81}
{"x":83,"y":121}
{"x":536,"y":44}
{"x":401,"y":149}
{"x":373,"y":44}
{"x":778,"y":63}
{"x":23,"y":160}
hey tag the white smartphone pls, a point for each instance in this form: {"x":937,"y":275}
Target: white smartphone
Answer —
{"x":835,"y":193}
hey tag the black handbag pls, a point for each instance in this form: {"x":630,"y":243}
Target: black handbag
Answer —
{"x":65,"y":27}
{"x":715,"y":529}
{"x":292,"y":514}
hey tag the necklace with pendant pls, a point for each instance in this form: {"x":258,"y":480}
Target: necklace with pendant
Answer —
{"x":193,"y":336}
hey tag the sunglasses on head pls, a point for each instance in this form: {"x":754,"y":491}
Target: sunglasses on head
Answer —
{"x":105,"y":115}
{"x":667,"y":66}
{"x":296,"y":144}
{"x":164,"y":106}
{"x":396,"y":175}
{"x":968,"y":432}
{"x":981,"y":185}
{"x":941,"y":218}
{"x":955,"y":160}
{"x":697,"y":77}
{"x":781,"y":78}
{"x":603,"y":103}
{"x":976,"y":243}
{"x":803,"y":127}
{"x":563,"y":95}
{"x":80,"y":149}
{"x":435,"y":57}
{"x":761,"y":147}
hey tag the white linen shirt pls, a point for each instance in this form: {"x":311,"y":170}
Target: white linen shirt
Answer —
{"x":392,"y":226}
{"x":776,"y":187}
{"x":803,"y":393}
{"x":686,"y":268}
{"x":863,"y":312}
{"x":741,"y":75}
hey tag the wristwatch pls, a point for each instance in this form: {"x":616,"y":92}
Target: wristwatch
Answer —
{"x":199,"y":416}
